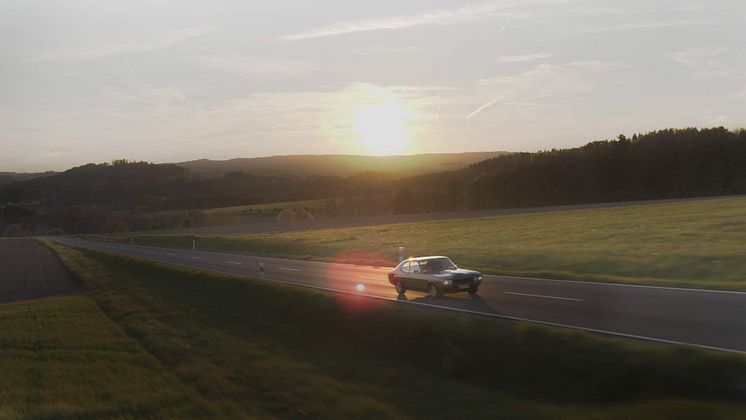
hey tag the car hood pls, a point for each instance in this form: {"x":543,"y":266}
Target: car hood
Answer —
{"x":459,"y":273}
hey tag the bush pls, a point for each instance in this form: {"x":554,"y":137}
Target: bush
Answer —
{"x":13,"y":230}
{"x":56,"y":232}
{"x":303,"y":214}
{"x":196,"y":218}
{"x":115,"y":226}
{"x":287,"y":216}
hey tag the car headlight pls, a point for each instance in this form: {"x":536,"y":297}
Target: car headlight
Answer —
{"x":478,"y":278}
{"x":447,"y":282}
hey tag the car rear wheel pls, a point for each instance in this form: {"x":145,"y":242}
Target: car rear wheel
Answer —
{"x":433,"y":290}
{"x":400,"y":287}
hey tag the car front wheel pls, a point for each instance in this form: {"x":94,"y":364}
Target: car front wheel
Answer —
{"x":433,"y":290}
{"x":400,"y":288}
{"x":473,"y":290}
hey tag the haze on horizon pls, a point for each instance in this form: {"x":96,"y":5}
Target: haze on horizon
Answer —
{"x":164,"y":81}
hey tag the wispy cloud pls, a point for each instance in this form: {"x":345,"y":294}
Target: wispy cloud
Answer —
{"x":634,"y":26}
{"x":100,"y":50}
{"x":434,"y":17}
{"x":545,"y":81}
{"x":382,"y":49}
{"x":703,"y":62}
{"x":254,"y":66}
{"x":523,"y":57}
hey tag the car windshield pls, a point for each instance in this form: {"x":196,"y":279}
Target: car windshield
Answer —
{"x":436,"y":265}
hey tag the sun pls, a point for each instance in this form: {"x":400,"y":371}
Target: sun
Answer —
{"x":381,"y":128}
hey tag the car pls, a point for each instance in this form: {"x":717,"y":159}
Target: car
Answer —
{"x":435,"y":275}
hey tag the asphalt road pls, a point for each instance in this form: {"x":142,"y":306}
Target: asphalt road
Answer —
{"x":29,"y":270}
{"x":704,"y":318}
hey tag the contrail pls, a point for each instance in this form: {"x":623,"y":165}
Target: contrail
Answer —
{"x":485,"y":106}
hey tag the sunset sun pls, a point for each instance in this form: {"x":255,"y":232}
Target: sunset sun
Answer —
{"x":381,"y":129}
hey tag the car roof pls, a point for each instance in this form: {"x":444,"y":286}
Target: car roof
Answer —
{"x":425,"y":258}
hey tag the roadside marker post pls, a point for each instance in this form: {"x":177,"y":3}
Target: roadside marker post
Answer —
{"x":261,"y":270}
{"x":194,"y":244}
{"x":401,"y":253}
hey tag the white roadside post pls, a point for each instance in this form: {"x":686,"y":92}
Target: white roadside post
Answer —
{"x":401,"y":253}
{"x":194,"y":244}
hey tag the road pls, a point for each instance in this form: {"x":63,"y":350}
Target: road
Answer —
{"x":704,"y":318}
{"x":29,"y":270}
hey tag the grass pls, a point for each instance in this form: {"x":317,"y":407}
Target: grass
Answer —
{"x":247,"y":348}
{"x":687,"y":244}
{"x":61,"y":357}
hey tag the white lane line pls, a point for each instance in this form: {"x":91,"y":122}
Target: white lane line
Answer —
{"x":196,"y":258}
{"x":544,"y":296}
{"x":597,"y":283}
{"x":173,"y":255}
{"x":233,"y":262}
{"x":289,"y":269}
{"x":493,"y":315}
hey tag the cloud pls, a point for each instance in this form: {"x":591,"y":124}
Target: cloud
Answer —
{"x":633,"y":26}
{"x":254,"y":66}
{"x":545,"y":82}
{"x":435,"y":17}
{"x":523,"y":57}
{"x":703,"y":62}
{"x":382,"y":49}
{"x":100,"y":50}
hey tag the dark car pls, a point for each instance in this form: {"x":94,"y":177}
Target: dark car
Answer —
{"x":434,"y":275}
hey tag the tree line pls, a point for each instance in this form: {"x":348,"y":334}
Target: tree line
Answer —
{"x":124,"y":195}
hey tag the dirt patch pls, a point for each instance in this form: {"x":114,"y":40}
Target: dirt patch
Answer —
{"x":29,"y":270}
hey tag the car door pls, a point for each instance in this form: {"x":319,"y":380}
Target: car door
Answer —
{"x":417,"y":279}
{"x":404,"y":274}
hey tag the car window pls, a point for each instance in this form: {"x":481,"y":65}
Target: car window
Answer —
{"x":405,"y":267}
{"x":426,"y":266}
{"x":415,"y":267}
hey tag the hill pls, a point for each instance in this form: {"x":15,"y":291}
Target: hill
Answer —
{"x":339,"y":165}
{"x":8,"y":177}
{"x":671,"y":163}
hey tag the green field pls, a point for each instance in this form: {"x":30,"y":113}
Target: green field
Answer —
{"x":61,"y":357}
{"x":691,"y":244}
{"x":149,"y":340}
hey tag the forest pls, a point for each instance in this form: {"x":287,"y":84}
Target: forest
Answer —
{"x":125,"y":195}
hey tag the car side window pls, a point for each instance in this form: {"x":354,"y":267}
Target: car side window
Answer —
{"x":405,"y":267}
{"x":415,"y":267}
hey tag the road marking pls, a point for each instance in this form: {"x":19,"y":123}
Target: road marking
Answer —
{"x":173,"y":255}
{"x":543,"y":296}
{"x":597,"y":283}
{"x":233,"y":262}
{"x":494,"y":315}
{"x":289,"y":269}
{"x":196,"y":258}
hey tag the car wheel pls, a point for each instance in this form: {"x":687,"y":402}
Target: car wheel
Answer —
{"x":473,"y":290}
{"x":432,"y":289}
{"x":400,"y":288}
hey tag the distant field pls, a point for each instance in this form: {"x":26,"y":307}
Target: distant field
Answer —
{"x":257,"y":349}
{"x":690,"y":244}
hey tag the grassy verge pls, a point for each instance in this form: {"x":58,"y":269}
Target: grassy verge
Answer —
{"x":688,"y":244}
{"x":264,"y":349}
{"x":61,"y":357}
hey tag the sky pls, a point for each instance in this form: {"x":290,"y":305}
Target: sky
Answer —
{"x":167,"y":81}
